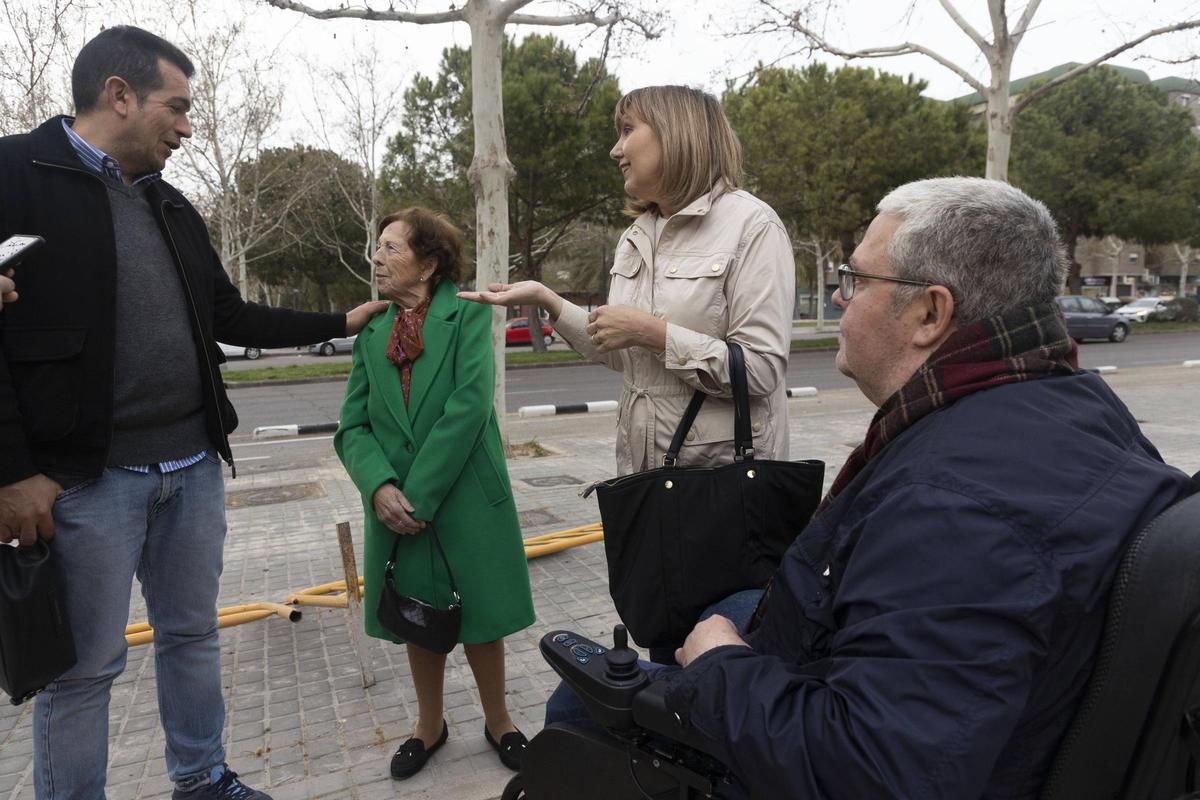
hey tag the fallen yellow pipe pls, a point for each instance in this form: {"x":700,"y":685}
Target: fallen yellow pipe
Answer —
{"x":321,"y":596}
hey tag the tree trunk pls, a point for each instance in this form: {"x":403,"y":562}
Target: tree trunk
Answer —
{"x":1073,"y":280}
{"x":490,"y":172}
{"x":999,"y":130}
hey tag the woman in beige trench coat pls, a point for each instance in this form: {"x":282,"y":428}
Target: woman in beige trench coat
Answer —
{"x":704,"y":262}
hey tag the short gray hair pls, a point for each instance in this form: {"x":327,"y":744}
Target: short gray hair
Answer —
{"x":993,"y":246}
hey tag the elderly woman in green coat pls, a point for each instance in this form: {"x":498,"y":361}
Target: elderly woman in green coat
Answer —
{"x":419,"y":438}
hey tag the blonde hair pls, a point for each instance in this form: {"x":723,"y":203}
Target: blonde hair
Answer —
{"x":698,"y":144}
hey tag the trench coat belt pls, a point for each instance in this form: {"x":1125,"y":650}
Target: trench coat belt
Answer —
{"x":632,"y":395}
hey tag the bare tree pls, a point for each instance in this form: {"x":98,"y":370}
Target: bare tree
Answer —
{"x":368,"y":106}
{"x":998,"y":52}
{"x":490,"y":170}
{"x":34,"y":46}
{"x":236,"y":107}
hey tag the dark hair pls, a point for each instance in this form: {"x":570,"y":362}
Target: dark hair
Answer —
{"x":431,"y":235}
{"x":127,"y":52}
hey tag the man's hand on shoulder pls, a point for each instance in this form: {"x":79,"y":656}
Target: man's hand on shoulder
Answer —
{"x":356,"y":318}
{"x":8,"y":289}
{"x":25,"y":509}
{"x":716,"y":631}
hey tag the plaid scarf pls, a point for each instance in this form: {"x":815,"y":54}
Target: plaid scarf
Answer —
{"x":407,"y":343}
{"x":1021,"y":345}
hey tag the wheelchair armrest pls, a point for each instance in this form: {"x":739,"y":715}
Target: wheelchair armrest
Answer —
{"x":651,"y":713}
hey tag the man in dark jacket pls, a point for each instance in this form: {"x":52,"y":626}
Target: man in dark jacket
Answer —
{"x":930,"y":633}
{"x":113,"y":415}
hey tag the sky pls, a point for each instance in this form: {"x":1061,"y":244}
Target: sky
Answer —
{"x":700,"y":45}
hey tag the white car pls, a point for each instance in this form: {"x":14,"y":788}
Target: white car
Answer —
{"x":1142,"y":309}
{"x":233,"y":351}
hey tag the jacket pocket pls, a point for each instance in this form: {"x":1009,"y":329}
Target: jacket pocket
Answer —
{"x":626,"y":263}
{"x":494,"y":488}
{"x":44,"y":366}
{"x":691,"y":292}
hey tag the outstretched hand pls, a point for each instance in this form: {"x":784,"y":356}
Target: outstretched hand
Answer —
{"x":521,"y":293}
{"x":359,"y":316}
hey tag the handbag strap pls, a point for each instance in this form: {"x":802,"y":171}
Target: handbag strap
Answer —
{"x":743,"y":438}
{"x":438,"y":542}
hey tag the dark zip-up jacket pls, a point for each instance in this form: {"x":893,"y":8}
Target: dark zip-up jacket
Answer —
{"x":58,"y":340}
{"x":929,"y":635}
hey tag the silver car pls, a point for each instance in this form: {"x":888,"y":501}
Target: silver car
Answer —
{"x":234,"y":351}
{"x":343,"y":344}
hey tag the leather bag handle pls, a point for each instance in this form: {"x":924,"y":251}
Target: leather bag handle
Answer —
{"x":743,"y":438}
{"x":433,"y":533}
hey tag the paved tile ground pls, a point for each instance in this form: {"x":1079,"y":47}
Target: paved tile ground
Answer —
{"x":299,"y":722}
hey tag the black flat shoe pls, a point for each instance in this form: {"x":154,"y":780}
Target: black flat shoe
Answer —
{"x":510,"y":748}
{"x":411,"y":756}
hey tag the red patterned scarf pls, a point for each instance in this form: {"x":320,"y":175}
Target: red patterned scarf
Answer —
{"x":406,"y":342}
{"x":1021,"y":345}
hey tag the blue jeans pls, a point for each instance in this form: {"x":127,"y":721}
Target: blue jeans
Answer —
{"x":564,"y":704}
{"x":169,"y":531}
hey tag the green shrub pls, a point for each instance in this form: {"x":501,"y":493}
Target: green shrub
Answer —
{"x":1186,"y":309}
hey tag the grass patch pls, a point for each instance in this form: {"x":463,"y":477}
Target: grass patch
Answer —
{"x":553,"y":357}
{"x":530,"y":449}
{"x":829,"y":343}
{"x":290,"y":372}
{"x":1164,"y":327}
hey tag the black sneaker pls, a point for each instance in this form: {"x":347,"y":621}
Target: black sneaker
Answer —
{"x":227,"y":787}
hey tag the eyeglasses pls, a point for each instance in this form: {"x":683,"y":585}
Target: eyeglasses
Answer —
{"x":847,"y":276}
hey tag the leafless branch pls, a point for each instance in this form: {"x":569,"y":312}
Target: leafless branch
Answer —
{"x":1030,"y":96}
{"x":454,"y":15}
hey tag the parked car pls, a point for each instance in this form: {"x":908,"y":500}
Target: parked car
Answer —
{"x":233,"y":351}
{"x":516,"y":331}
{"x":1146,"y":309}
{"x":1112,"y":302}
{"x":343,"y":344}
{"x":1088,"y":318}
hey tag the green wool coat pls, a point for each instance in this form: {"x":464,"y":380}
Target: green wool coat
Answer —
{"x":444,"y":452}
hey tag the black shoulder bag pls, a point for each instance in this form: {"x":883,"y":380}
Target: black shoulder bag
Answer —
{"x":678,"y":539}
{"x":36,"y":645}
{"x":414,"y":620}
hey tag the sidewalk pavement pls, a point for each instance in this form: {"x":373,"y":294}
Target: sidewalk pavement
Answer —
{"x":299,"y":723}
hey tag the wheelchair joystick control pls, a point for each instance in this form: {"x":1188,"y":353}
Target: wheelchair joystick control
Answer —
{"x":621,"y":662}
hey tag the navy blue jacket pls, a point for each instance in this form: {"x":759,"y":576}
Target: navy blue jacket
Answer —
{"x":930,"y":633}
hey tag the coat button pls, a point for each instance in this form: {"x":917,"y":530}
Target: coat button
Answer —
{"x":691,"y":436}
{"x":757,"y":427}
{"x":682,"y":360}
{"x":716,"y":267}
{"x":409,"y":447}
{"x":673,"y":270}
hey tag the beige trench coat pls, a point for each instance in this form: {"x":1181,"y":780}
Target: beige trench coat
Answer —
{"x":723,"y":269}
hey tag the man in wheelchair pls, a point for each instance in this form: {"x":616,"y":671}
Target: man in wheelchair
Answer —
{"x":931,"y":632}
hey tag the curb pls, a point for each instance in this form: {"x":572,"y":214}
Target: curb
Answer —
{"x":280,"y":431}
{"x":1102,"y":370}
{"x":1191,"y":363}
{"x":569,"y":408}
{"x":611,"y":405}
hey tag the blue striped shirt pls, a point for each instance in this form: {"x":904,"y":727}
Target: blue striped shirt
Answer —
{"x":102,"y":163}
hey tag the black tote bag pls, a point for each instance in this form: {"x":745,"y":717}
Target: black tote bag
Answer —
{"x":36,"y":645}
{"x":678,"y":539}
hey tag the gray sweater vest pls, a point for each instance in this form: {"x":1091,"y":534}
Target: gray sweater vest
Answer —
{"x":159,"y":410}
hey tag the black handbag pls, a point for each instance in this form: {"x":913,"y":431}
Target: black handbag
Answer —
{"x":678,"y":539}
{"x":413,"y":619}
{"x":36,"y":645}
